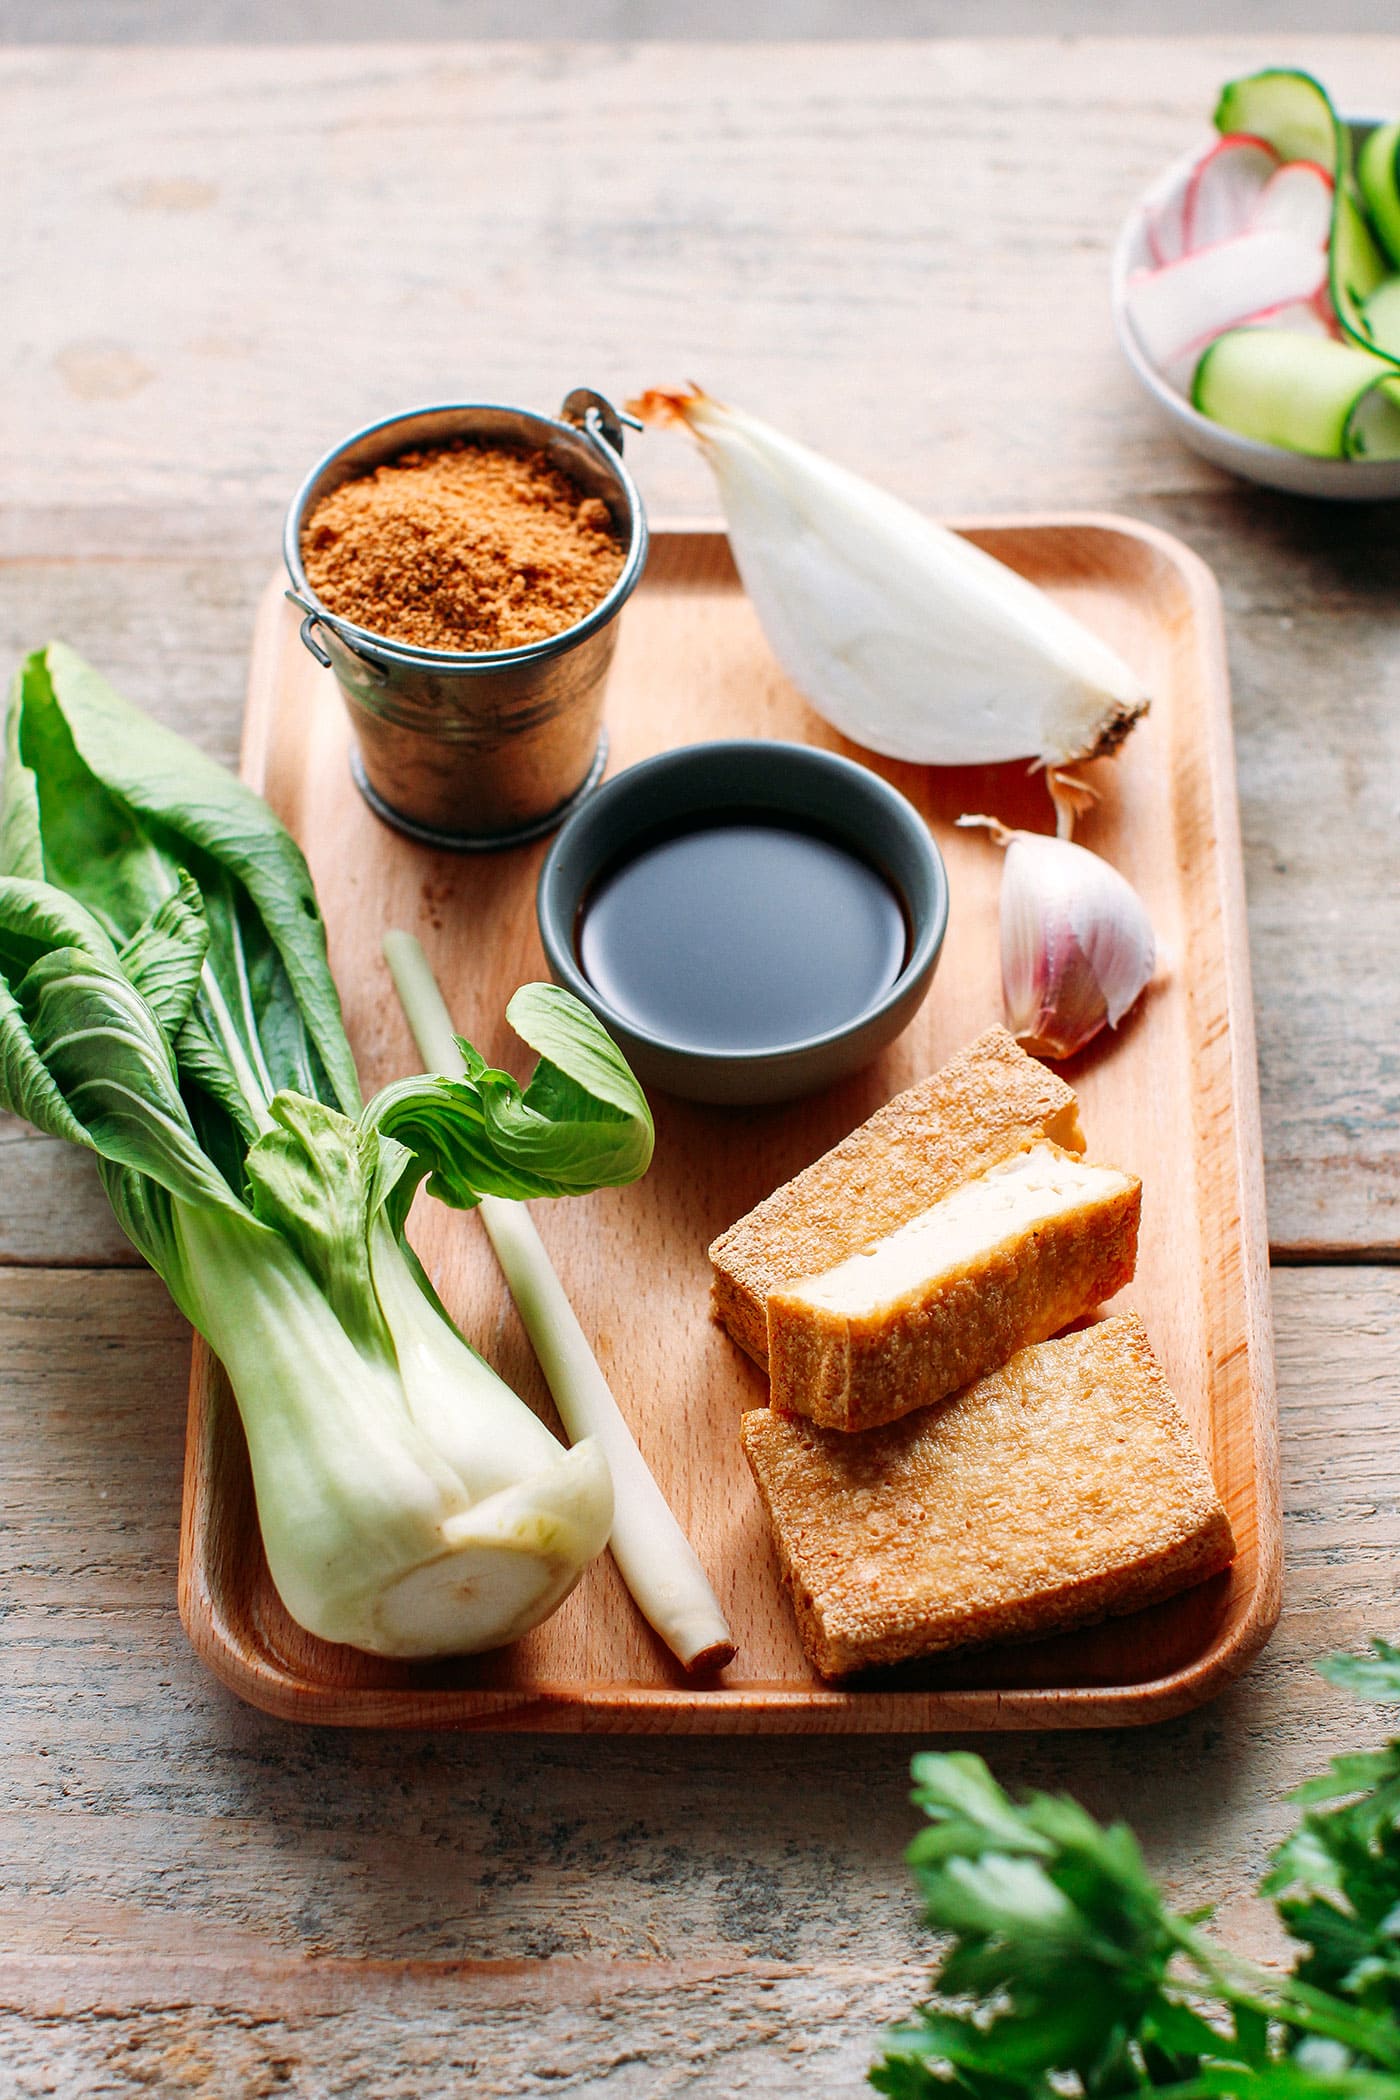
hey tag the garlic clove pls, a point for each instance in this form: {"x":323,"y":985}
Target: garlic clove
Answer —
{"x":1052,"y":997}
{"x":1077,"y":946}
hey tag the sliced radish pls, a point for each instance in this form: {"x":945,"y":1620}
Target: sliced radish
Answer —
{"x":1218,"y":287}
{"x":1166,"y":227}
{"x":1297,"y":198}
{"x":1224,"y":190}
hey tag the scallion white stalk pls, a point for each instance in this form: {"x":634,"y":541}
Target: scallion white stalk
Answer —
{"x":654,"y":1557}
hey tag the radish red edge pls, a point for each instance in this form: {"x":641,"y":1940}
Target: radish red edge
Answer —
{"x":1300,"y":315}
{"x":1297,"y":198}
{"x":1223,"y":189}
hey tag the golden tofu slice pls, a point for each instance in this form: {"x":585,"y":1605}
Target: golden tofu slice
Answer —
{"x":989,"y":1102}
{"x":1003,"y":1260}
{"x":954,"y":1227}
{"x":1062,"y":1489}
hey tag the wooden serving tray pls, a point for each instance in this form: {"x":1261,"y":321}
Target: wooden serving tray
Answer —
{"x":1172,"y":1096}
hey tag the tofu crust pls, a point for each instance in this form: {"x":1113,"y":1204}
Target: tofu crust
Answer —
{"x":1062,"y":1489}
{"x":856,"y":1371}
{"x":987,"y":1103}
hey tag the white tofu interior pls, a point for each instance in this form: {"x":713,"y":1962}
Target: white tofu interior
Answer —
{"x":971,"y":1221}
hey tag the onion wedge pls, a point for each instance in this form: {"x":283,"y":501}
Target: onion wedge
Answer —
{"x":903,"y":635}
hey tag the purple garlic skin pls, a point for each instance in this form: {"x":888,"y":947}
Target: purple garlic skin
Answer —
{"x":1077,"y":946}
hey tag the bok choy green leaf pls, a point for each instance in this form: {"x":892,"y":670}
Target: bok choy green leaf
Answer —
{"x":575,"y":1127}
{"x":166,"y":1002}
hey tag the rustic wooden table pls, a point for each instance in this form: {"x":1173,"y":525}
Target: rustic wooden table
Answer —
{"x":212,"y":263}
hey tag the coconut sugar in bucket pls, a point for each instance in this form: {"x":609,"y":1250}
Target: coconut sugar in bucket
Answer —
{"x":461,"y":570}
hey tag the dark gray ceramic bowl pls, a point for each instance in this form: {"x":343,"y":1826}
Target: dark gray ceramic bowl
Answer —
{"x":849,"y":804}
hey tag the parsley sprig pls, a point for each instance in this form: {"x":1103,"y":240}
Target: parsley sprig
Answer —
{"x":1065,"y":1976}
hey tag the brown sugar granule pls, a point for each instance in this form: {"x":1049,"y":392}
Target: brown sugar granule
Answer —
{"x":462,"y":546}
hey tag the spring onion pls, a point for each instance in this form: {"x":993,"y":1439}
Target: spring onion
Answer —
{"x":653,"y":1555}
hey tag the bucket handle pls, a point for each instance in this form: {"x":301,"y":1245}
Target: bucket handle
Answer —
{"x":594,"y":414}
{"x":310,"y":623}
{"x":316,"y":616}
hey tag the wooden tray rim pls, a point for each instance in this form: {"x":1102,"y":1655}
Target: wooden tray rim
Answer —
{"x":779,"y":1709}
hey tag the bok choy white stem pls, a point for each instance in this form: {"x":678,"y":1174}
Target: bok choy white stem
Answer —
{"x":655,"y":1559}
{"x":908,"y":638}
{"x":409,"y":1502}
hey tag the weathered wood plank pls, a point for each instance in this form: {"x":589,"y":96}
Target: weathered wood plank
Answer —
{"x":707,"y":2037}
{"x":245,"y":252}
{"x":701,"y":21}
{"x":1309,"y":604}
{"x":326,"y":1901}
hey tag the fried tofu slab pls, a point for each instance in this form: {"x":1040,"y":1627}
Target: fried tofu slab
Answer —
{"x":956,"y":1226}
{"x":1063,"y":1488}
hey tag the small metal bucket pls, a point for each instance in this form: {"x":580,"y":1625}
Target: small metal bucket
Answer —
{"x":475,"y":750}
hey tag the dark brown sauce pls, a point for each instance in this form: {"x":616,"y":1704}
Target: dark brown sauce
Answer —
{"x":742,"y":934}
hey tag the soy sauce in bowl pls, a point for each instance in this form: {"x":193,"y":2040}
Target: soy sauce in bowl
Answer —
{"x":746,"y":933}
{"x":750,"y":920}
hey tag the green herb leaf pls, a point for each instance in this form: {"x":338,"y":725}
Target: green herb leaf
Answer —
{"x":1063,"y":1973}
{"x":1374,"y":1676}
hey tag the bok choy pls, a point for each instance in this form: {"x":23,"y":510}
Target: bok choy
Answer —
{"x":166,"y":1002}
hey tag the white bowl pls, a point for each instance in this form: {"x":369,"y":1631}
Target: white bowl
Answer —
{"x":1348,"y":480}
